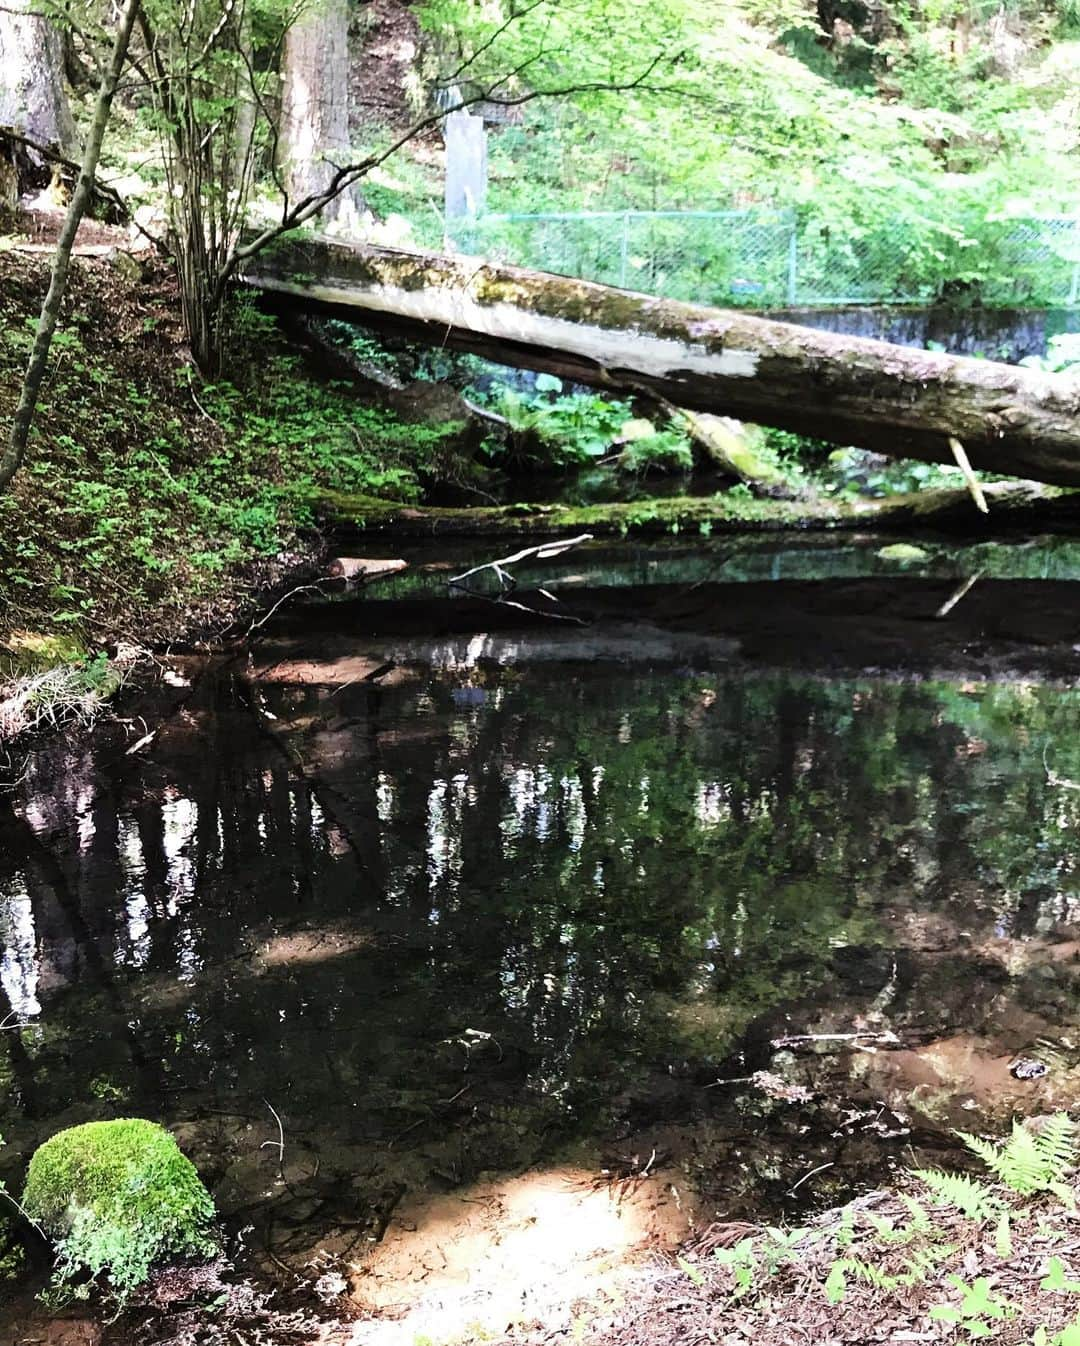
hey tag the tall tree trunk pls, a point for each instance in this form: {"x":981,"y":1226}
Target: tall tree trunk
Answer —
{"x":314,"y":130}
{"x":33,"y":99}
{"x":50,"y":309}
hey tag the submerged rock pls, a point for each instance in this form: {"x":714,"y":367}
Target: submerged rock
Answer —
{"x":904,"y":552}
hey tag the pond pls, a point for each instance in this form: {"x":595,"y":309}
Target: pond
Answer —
{"x":630,"y":901}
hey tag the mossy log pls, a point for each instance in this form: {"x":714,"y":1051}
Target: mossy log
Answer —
{"x":899,"y":401}
{"x":1013,"y":505}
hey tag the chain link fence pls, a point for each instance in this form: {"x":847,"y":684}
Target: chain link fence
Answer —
{"x":765,"y":259}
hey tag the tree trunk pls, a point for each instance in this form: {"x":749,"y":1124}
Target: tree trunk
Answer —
{"x":50,"y":309}
{"x":33,"y":100}
{"x":896,"y":400}
{"x":314,"y":130}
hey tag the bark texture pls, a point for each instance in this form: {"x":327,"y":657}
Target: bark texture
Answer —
{"x":314,"y":131}
{"x":896,"y":400}
{"x":33,"y":99}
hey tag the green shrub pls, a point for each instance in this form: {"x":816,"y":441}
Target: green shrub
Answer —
{"x":116,"y":1197}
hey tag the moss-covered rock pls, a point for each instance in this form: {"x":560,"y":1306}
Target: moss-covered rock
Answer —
{"x":116,"y":1198}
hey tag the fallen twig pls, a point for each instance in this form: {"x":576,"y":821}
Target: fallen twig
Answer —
{"x":279,"y":1143}
{"x":544,"y":552}
{"x":959,"y":593}
{"x":885,"y":1038}
{"x":970,"y":479}
{"x":807,"y":1176}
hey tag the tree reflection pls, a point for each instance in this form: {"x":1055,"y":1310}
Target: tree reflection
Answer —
{"x":568,"y":881}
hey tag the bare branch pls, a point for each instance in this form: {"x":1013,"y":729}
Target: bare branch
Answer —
{"x":347,"y":174}
{"x":490,"y":42}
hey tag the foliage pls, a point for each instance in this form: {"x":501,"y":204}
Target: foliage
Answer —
{"x":978,"y":1308}
{"x":910,"y":179}
{"x":1030,"y":1161}
{"x":665,"y":451}
{"x":570,"y":427}
{"x":148,"y":495}
{"x":564,"y":426}
{"x":1063,"y":354}
{"x":859,"y":472}
{"x":116,"y":1197}
{"x":917,"y":1247}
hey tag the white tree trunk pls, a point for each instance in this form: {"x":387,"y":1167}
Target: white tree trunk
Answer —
{"x":33,"y":100}
{"x":314,"y":132}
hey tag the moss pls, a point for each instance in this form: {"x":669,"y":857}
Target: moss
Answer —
{"x":116,"y":1198}
{"x":24,"y":653}
{"x":733,"y":511}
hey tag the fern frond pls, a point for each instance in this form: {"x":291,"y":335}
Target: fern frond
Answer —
{"x":972,"y":1198}
{"x":1057,"y":1146}
{"x":1003,"y":1242}
{"x":1028,"y":1162}
{"x":986,"y":1150}
{"x":923,"y":1262}
{"x":867,"y":1273}
{"x":885,"y":1230}
{"x":921,"y":1221}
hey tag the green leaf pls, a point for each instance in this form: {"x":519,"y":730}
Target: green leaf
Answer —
{"x":835,"y":1284}
{"x":1003,"y":1243}
{"x":1056,"y":1279}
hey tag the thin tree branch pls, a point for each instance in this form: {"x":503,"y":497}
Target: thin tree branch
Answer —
{"x":50,"y":309}
{"x":348,"y":174}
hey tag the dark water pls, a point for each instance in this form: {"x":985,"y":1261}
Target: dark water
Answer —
{"x":469,"y":919}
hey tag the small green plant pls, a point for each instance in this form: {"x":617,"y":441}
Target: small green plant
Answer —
{"x":115,"y":1198}
{"x":977,"y":1311}
{"x":665,"y":451}
{"x":1057,"y":1279}
{"x":741,"y":1260}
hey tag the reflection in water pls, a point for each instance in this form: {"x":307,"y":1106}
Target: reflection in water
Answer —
{"x":462,"y":923}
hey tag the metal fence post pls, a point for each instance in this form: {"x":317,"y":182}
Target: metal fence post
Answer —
{"x":793,"y":265}
{"x":624,"y":251}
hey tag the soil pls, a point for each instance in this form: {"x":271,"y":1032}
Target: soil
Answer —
{"x":386,"y":49}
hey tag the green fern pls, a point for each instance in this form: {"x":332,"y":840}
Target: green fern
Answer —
{"x":1028,"y":1162}
{"x":971,"y":1197}
{"x":866,"y":1272}
{"x":923,"y":1263}
{"x":921,"y":1220}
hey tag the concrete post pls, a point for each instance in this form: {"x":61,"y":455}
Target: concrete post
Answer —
{"x":466,"y":165}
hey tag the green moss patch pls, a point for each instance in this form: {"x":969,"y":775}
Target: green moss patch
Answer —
{"x":116,"y":1198}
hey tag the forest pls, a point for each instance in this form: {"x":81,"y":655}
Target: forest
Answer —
{"x":538,"y":672}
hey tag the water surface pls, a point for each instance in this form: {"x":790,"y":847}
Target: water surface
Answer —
{"x":470,"y":918}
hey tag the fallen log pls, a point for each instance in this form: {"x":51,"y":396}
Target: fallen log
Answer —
{"x":1016,"y":506}
{"x":355,"y":570}
{"x":899,"y":401}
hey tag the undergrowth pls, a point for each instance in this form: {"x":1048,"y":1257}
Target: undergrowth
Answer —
{"x":947,"y":1255}
{"x":151,"y":503}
